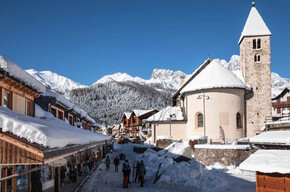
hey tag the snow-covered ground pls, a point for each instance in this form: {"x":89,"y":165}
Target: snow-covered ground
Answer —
{"x":183,"y":176}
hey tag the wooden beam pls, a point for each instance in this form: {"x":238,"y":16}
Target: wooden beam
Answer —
{"x":21,"y":145}
{"x":22,"y":173}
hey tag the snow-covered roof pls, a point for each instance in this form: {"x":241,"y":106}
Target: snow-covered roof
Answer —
{"x":272,"y":138}
{"x":127,"y":114}
{"x":18,"y":73}
{"x":67,"y":103}
{"x":268,"y":161}
{"x":208,"y":146}
{"x":168,"y":114}
{"x":214,"y":75}
{"x":255,"y":25}
{"x":139,"y":113}
{"x":46,"y":130}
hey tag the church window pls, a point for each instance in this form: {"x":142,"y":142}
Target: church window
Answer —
{"x":257,"y":58}
{"x":254,"y":44}
{"x":259,"y":44}
{"x":200,"y":120}
{"x":239,"y":120}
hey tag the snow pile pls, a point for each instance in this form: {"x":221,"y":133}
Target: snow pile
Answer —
{"x":67,"y":103}
{"x":55,"y":81}
{"x":233,"y":146}
{"x":214,"y":75}
{"x":192,"y":176}
{"x":255,"y":25}
{"x":21,"y":75}
{"x":177,"y":149}
{"x":47,"y":131}
{"x":198,"y":137}
{"x":268,"y":161}
{"x":168,"y":114}
{"x":272,"y":137}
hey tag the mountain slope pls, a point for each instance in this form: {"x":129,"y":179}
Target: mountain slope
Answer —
{"x":54,"y":81}
{"x":108,"y":101}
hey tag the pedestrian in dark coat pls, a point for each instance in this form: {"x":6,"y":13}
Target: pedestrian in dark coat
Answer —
{"x":137,"y":171}
{"x":126,"y":173}
{"x":108,"y":163}
{"x":141,"y":173}
{"x":116,"y":163}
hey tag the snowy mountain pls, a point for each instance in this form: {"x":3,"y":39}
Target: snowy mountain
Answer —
{"x":54,"y":81}
{"x":160,"y":79}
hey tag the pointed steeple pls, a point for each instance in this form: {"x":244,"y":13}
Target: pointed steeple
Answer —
{"x":255,"y":25}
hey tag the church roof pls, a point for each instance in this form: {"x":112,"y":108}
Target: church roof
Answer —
{"x":255,"y":25}
{"x":213,"y":75}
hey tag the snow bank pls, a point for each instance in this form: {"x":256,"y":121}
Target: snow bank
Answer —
{"x":272,"y":137}
{"x":18,"y":73}
{"x":177,"y":149}
{"x":268,"y":161}
{"x":192,"y":176}
{"x":208,"y":146}
{"x":45,"y":130}
{"x":197,"y":137}
{"x":167,"y":114}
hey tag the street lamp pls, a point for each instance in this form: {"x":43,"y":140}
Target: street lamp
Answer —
{"x":203,"y":97}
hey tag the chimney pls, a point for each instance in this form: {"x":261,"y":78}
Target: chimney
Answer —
{"x":182,"y":80}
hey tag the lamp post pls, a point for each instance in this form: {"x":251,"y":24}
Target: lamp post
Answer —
{"x":203,"y":97}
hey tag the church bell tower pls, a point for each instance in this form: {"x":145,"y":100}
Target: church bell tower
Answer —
{"x":255,"y":63}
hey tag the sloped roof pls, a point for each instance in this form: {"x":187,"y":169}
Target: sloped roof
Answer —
{"x":213,"y":75}
{"x":167,"y":114}
{"x":127,"y":114}
{"x":268,"y":161}
{"x":255,"y":25}
{"x":46,"y":130}
{"x":21,"y":75}
{"x":139,"y":113}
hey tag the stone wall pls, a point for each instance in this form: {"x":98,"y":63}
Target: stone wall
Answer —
{"x":225,"y":157}
{"x":163,"y":143}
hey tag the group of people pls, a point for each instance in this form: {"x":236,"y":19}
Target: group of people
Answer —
{"x":139,"y":170}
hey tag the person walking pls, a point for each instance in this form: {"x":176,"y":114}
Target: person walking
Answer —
{"x":141,"y":173}
{"x":116,"y":163}
{"x":108,"y":163}
{"x":126,"y":172}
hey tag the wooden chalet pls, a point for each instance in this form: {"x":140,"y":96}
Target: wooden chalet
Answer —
{"x":135,"y":123}
{"x":272,"y":169}
{"x":63,"y":109}
{"x":27,"y":165}
{"x":280,"y":102}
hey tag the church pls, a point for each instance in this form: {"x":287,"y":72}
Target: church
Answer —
{"x":219,"y":104}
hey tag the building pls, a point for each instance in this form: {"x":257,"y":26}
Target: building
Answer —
{"x":63,"y":109}
{"x":220,"y":104}
{"x":34,"y":145}
{"x":280,"y":102}
{"x":272,"y":169}
{"x":134,"y":122}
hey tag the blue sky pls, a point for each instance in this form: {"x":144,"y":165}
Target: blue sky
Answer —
{"x":85,"y":40}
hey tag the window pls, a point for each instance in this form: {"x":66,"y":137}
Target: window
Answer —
{"x":7,"y":100}
{"x":239,"y":120}
{"x":199,"y":120}
{"x":60,"y":115}
{"x":257,"y":58}
{"x":259,"y":44}
{"x":53,"y":111}
{"x":254,"y":44}
{"x":29,"y":108}
{"x":70,"y":119}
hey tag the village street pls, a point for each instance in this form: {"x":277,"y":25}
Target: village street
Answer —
{"x":206,"y":179}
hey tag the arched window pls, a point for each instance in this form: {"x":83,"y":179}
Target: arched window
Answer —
{"x":200,"y":120}
{"x":259,"y":44}
{"x":257,"y":58}
{"x":254,"y":44}
{"x":239,"y":120}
